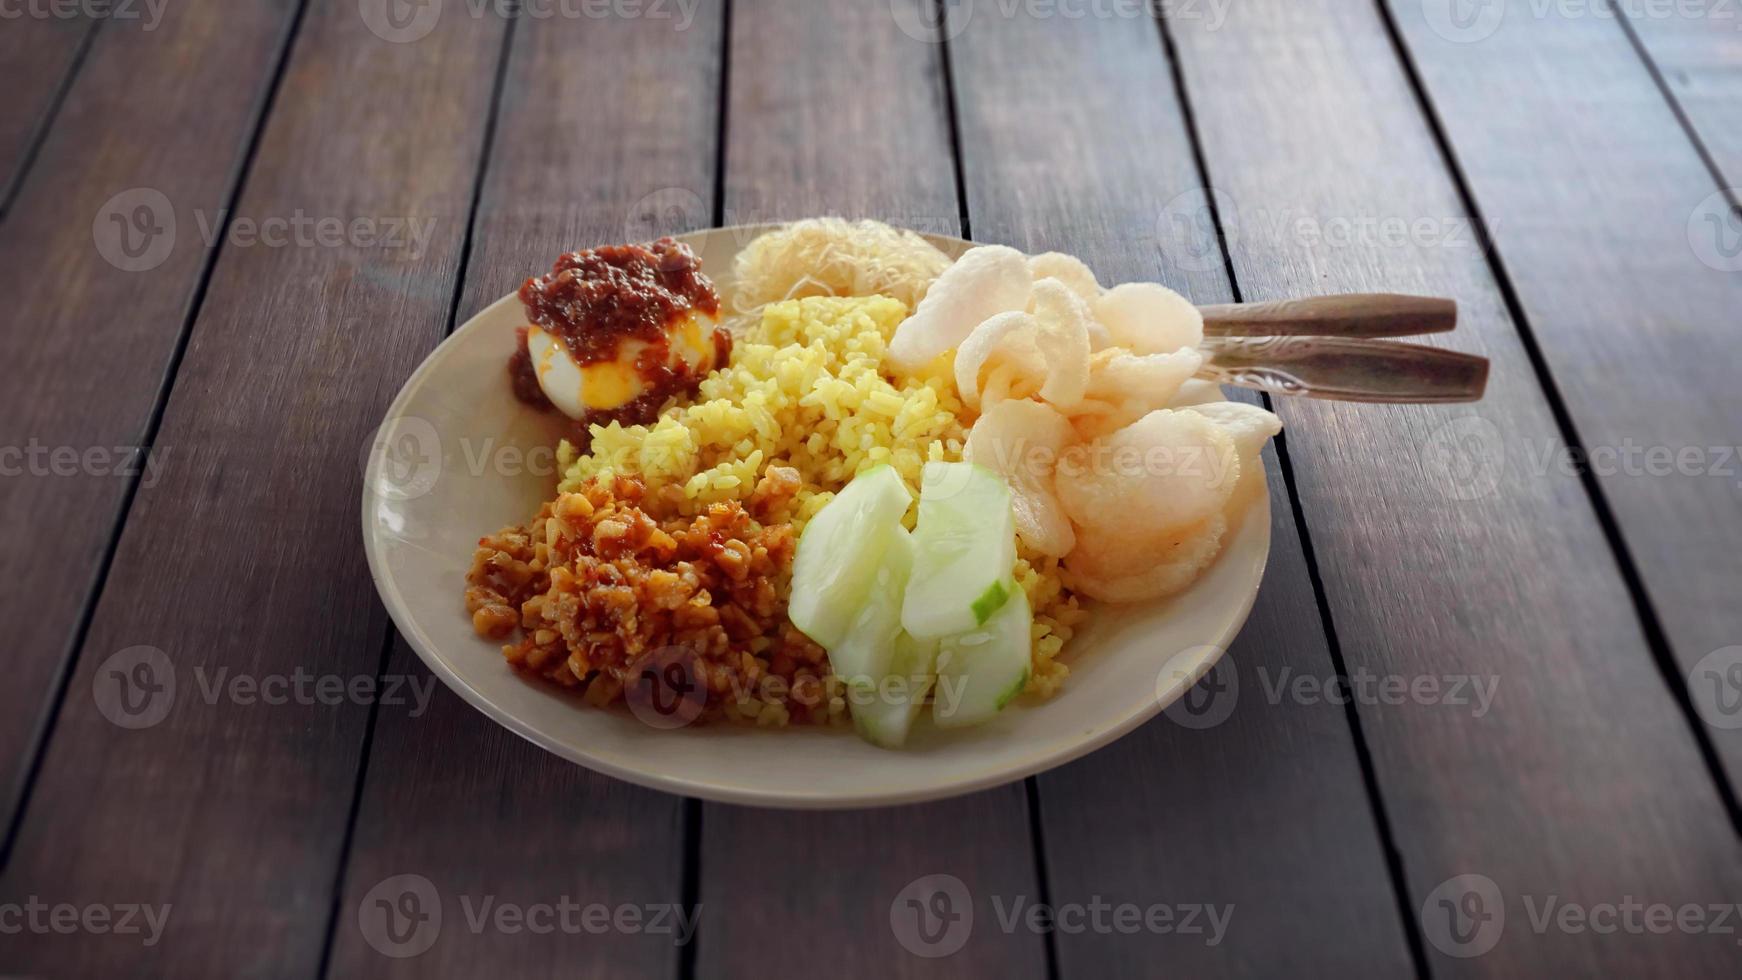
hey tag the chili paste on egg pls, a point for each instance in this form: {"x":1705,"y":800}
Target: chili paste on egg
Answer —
{"x":596,"y":299}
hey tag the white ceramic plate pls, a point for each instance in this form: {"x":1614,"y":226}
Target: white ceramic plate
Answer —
{"x":458,"y":457}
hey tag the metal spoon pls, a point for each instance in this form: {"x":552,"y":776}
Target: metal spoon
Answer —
{"x":1325,"y":347}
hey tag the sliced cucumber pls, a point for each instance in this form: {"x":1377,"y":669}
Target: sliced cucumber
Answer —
{"x":840,"y":551}
{"x":982,"y":670}
{"x":884,"y":714}
{"x":966,"y":547}
{"x":861,"y":658}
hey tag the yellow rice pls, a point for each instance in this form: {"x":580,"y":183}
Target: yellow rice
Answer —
{"x":805,"y":389}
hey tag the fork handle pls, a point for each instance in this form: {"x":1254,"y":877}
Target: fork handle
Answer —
{"x":1348,"y":315}
{"x":1345,"y":369}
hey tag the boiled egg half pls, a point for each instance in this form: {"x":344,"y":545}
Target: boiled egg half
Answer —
{"x":578,"y":390}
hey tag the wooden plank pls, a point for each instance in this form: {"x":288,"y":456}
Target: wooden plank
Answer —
{"x":1637,"y":323}
{"x":834,"y":110}
{"x":829,"y":103}
{"x":244,"y":560}
{"x":157,"y":120}
{"x":550,"y":829}
{"x":37,"y":57}
{"x":1582,"y":784}
{"x":1697,"y":49}
{"x":1185,"y":811}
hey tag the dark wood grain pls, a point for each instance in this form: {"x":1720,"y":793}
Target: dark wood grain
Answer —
{"x":37,"y":55}
{"x":1233,"y":799}
{"x":245,"y":557}
{"x":83,"y":357}
{"x":1637,"y":320}
{"x":1583,"y":780}
{"x":835,"y":110}
{"x":453,"y":796}
{"x":1697,"y":49}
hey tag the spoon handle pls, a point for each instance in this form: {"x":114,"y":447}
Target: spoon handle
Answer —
{"x":1345,"y":369}
{"x":1350,"y":315}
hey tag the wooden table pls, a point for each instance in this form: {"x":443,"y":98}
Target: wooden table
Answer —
{"x":1483,"y":721}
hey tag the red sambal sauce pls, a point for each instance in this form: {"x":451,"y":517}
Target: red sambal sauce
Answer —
{"x":595,"y":299}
